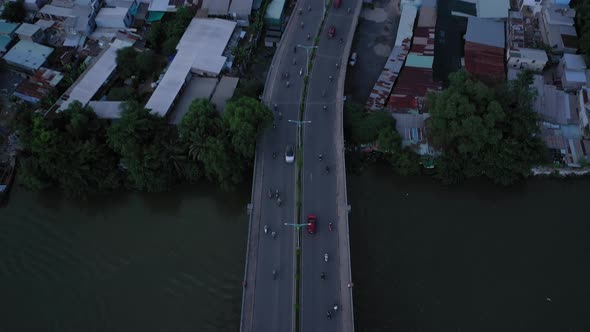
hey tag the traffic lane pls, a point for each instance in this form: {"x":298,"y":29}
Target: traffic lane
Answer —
{"x":275,"y":253}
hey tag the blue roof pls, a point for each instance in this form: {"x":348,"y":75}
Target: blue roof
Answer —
{"x":4,"y":41}
{"x":7,"y":28}
{"x":28,"y":55}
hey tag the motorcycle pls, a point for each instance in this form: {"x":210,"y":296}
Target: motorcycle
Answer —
{"x":273,"y":234}
{"x":323,"y":276}
{"x":320,"y":157}
{"x":330,"y":226}
{"x":335,"y":307}
{"x":279,"y":202}
{"x":300,"y":71}
{"x":326,"y":257}
{"x":274,"y":155}
{"x":274,"y":274}
{"x":329,"y":314}
{"x":325,"y":108}
{"x":265,"y":229}
{"x":327,"y":170}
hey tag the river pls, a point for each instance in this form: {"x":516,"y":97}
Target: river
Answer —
{"x":426,"y":257}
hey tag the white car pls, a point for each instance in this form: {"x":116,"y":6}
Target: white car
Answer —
{"x":352,"y":61}
{"x":289,"y":154}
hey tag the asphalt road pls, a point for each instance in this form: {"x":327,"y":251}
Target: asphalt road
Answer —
{"x":268,"y":303}
{"x":320,"y":189}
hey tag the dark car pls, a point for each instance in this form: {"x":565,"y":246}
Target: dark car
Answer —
{"x":311,"y":223}
{"x":332,"y":32}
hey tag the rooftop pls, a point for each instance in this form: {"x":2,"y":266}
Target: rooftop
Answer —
{"x":485,"y":32}
{"x":560,"y":15}
{"x":27,"y":29}
{"x":196,"y":88}
{"x":38,"y":85}
{"x":241,"y":7}
{"x":7,"y":28}
{"x":95,"y":76}
{"x":45,"y":24}
{"x":530,"y":53}
{"x":427,"y":17}
{"x":28,"y":55}
{"x":405,"y":29}
{"x":493,"y":9}
{"x":210,"y":37}
{"x":217,"y":7}
{"x":574,"y":61}
{"x":275,"y":9}
{"x":224,"y":91}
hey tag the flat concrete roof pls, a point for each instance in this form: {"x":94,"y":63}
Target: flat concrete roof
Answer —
{"x":493,"y":8}
{"x":241,"y":7}
{"x":27,"y":29}
{"x":217,"y":7}
{"x":574,"y":61}
{"x":27,"y":54}
{"x":224,"y":91}
{"x":485,"y":31}
{"x":94,"y":77}
{"x":209,"y":37}
{"x":196,"y":88}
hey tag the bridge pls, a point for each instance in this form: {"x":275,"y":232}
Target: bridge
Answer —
{"x":288,"y":284}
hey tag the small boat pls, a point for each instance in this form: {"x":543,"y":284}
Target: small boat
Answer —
{"x":7,"y":177}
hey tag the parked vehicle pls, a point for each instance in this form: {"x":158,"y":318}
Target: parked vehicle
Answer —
{"x":289,"y":154}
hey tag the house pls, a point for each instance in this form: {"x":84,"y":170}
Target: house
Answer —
{"x":216,"y":7}
{"x":98,"y":73}
{"x":481,"y":8}
{"x":41,"y":83}
{"x":583,"y":96}
{"x":210,"y":37}
{"x":240,"y":9}
{"x":519,"y":53}
{"x":274,"y":16}
{"x":27,"y":56}
{"x":484,"y":48}
{"x":572,"y":72}
{"x":78,"y":17}
{"x":7,"y":34}
{"x":557,"y":28}
{"x":30,"y":32}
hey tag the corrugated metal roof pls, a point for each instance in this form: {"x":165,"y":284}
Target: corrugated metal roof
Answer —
{"x":405,"y":28}
{"x":217,"y":7}
{"x":485,"y":31}
{"x":241,"y":7}
{"x":224,"y":91}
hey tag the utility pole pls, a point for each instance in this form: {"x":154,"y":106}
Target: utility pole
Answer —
{"x":299,"y":127}
{"x":297,"y":227}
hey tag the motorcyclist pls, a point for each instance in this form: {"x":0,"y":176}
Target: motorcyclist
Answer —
{"x":325,"y":256}
{"x":329,"y":314}
{"x":279,"y":202}
{"x":274,"y":155}
{"x":325,"y":108}
{"x":274,"y":274}
{"x":265,"y":229}
{"x":323,"y":276}
{"x":273,"y":234}
{"x":327,"y":169}
{"x":341,"y":40}
{"x":309,"y":8}
{"x":330,"y":226}
{"x":335,"y":307}
{"x":308,"y":36}
{"x":320,"y":156}
{"x":330,"y":78}
{"x":302,"y":25}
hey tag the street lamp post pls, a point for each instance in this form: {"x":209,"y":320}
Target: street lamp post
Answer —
{"x":297,"y":227}
{"x":307,"y":48}
{"x":299,"y":123}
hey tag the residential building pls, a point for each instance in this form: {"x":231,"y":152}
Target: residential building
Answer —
{"x":78,"y":16}
{"x":7,"y":34}
{"x":557,"y":28}
{"x":571,"y":72}
{"x":481,"y":8}
{"x":27,"y":56}
{"x":30,"y":32}
{"x":210,"y":37}
{"x":38,"y":85}
{"x":98,"y":73}
{"x":583,"y":96}
{"x":519,"y":53}
{"x":484,"y":48}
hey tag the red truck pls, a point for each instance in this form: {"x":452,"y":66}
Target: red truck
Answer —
{"x":337,"y":3}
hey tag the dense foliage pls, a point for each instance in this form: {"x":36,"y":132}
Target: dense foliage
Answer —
{"x":130,"y":63}
{"x":378,"y":129}
{"x":483,"y":131}
{"x":224,"y":145}
{"x":14,"y":11}
{"x":583,"y":25}
{"x":82,"y":154}
{"x":163,"y":37}
{"x":68,"y":150}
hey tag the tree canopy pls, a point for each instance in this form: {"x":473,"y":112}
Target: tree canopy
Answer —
{"x":69,"y":150}
{"x":143,"y":141}
{"x":126,"y":61}
{"x":14,"y":11}
{"x":483,"y":131}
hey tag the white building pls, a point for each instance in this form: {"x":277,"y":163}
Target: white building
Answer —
{"x":557,"y":28}
{"x":527,"y":58}
{"x":572,"y":72}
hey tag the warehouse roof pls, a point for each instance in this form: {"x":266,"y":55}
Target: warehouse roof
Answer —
{"x":210,"y":37}
{"x":485,"y":31}
{"x":94,"y":77}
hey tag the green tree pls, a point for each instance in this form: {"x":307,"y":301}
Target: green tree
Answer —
{"x":362,"y":127}
{"x":14,"y":11}
{"x":142,"y":139}
{"x":148,"y":63}
{"x":169,"y":46}
{"x":69,"y":150}
{"x":127,"y":62}
{"x":157,"y":36}
{"x":120,"y":93}
{"x":484,"y":132}
{"x":249,"y":88}
{"x":246,"y":117}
